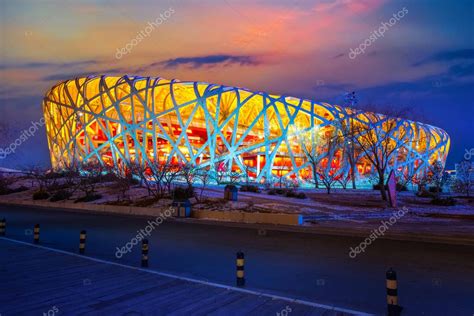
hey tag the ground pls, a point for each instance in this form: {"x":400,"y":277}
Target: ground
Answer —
{"x":341,"y":207}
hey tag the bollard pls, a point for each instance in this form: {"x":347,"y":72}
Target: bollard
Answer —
{"x":145,"y":253}
{"x":3,"y":226}
{"x":392,"y":294}
{"x":82,"y":242}
{"x":37,"y":234}
{"x":240,"y":269}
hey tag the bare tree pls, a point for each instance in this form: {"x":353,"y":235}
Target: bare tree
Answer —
{"x":344,"y":179}
{"x":326,"y":169}
{"x":188,"y":174}
{"x":320,"y":146}
{"x":464,"y":181}
{"x":219,"y":172}
{"x":123,"y":182}
{"x":204,"y":177}
{"x":234,"y":177}
{"x":434,"y":175}
{"x":171,"y":172}
{"x":309,"y":140}
{"x":68,"y":183}
{"x":92,"y":173}
{"x":348,"y":135}
{"x":410,"y":175}
{"x":43,"y":178}
{"x":379,"y":137}
{"x":153,"y":177}
{"x":6,"y":181}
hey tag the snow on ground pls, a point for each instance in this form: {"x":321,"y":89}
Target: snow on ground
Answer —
{"x":357,"y":206}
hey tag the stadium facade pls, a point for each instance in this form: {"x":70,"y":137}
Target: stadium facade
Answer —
{"x":121,"y":120}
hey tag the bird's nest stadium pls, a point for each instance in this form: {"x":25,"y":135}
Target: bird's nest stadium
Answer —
{"x":117,"y":121}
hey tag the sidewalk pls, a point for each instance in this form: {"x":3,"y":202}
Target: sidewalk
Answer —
{"x":38,"y":279}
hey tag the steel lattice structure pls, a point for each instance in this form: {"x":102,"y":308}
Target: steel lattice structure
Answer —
{"x":118,"y":120}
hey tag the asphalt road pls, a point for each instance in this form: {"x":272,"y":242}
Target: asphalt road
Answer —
{"x":432,"y":279}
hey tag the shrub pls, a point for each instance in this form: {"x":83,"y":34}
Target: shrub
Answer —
{"x":40,"y":195}
{"x":88,"y":198}
{"x":290,"y":193}
{"x":60,"y":195}
{"x":401,"y":187}
{"x":435,"y":189}
{"x":250,"y":188}
{"x":449,"y":201}
{"x":425,"y":194}
{"x":287,"y":192}
{"x":377,"y":186}
{"x":108,"y":177}
{"x":280,"y":191}
{"x":301,"y":195}
{"x":180,"y":193}
{"x":5,"y":191}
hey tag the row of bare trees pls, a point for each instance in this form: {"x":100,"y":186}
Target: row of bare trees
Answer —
{"x":84,"y":177}
{"x":333,"y":151}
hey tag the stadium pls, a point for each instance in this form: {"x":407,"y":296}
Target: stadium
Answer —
{"x":117,"y":121}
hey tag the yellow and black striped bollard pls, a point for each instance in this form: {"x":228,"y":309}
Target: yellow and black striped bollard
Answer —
{"x":3,"y":227}
{"x":145,"y":253}
{"x":82,"y":242}
{"x":240,"y":269}
{"x":392,"y":294}
{"x":36,"y":234}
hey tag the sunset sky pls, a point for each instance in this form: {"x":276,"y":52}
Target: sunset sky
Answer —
{"x":425,"y":61}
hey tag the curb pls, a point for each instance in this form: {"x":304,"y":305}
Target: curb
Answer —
{"x":324,"y":231}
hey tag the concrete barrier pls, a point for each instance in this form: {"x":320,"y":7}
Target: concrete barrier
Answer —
{"x":225,"y":216}
{"x":251,"y":218}
{"x":83,"y":207}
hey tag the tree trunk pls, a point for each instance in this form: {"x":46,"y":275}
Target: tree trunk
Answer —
{"x":315,"y":177}
{"x":383,"y":193}
{"x":353,"y":178}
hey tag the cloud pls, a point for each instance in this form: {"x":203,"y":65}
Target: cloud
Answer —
{"x":352,"y":6}
{"x":448,"y":55}
{"x":31,"y":65}
{"x":461,"y":70}
{"x":210,"y":60}
{"x":66,"y":76}
{"x":71,"y":75}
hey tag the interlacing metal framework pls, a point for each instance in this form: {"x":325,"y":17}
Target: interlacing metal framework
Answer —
{"x":146,"y":120}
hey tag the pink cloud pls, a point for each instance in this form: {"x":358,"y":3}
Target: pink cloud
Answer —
{"x":351,"y":6}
